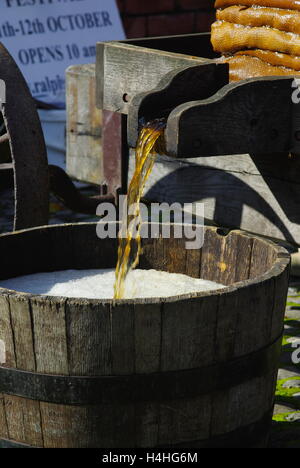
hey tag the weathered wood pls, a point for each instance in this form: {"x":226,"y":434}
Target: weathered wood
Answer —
{"x":28,"y":150}
{"x":193,"y":263}
{"x":181,"y":420}
{"x":279,"y":303}
{"x":3,"y":423}
{"x":9,"y":358}
{"x":143,"y":338}
{"x":123,"y":360}
{"x":89,"y":158}
{"x":147,"y":325}
{"x":88,"y":327}
{"x":115,"y":152}
{"x":124,"y":70}
{"x":212,"y":266}
{"x":260,"y":256}
{"x":258,"y":194}
{"x":23,"y":416}
{"x":84,"y":125}
{"x":21,"y":323}
{"x":175,"y":255}
{"x":249,"y":193}
{"x":50,"y":341}
{"x":172,"y":91}
{"x":6,"y":332}
{"x":251,"y":116}
{"x":194,"y":344}
{"x":254,"y":115}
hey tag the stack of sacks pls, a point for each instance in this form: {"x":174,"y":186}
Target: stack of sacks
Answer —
{"x":258,"y":37}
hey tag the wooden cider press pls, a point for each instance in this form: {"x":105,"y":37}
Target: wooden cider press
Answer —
{"x":233,"y":146}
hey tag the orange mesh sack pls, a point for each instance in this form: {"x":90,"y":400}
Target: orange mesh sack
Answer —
{"x":285,"y":4}
{"x":258,"y":37}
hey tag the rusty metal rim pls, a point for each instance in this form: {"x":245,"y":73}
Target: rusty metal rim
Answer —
{"x":158,"y":386}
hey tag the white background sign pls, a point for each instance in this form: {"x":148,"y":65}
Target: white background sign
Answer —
{"x":46,"y":36}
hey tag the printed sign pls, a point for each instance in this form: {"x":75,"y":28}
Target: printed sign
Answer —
{"x":46,"y":36}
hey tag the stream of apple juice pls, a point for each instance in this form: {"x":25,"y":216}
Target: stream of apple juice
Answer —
{"x":129,"y":249}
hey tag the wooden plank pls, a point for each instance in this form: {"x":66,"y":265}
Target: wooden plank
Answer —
{"x":147,"y":325}
{"x":14,"y":418}
{"x":22,"y":332}
{"x":249,"y":308}
{"x":251,"y":116}
{"x":126,"y":70}
{"x":147,"y":418}
{"x":147,"y":321}
{"x":31,"y":414}
{"x":184,"y":420}
{"x":262,"y":258}
{"x":23,"y":420}
{"x":172,"y":91}
{"x":254,"y":305}
{"x":98,"y":253}
{"x":243,"y":253}
{"x":6,"y":332}
{"x":188,"y":330}
{"x":123,"y":339}
{"x":281,"y":283}
{"x":88,"y":328}
{"x":23,"y":416}
{"x":72,"y":338}
{"x":114,"y":149}
{"x":65,"y":426}
{"x":228,"y":307}
{"x":256,"y":194}
{"x":3,"y":423}
{"x":85,"y":426}
{"x":211,"y":260}
{"x":227,"y":261}
{"x":50,"y":340}
{"x":241,"y":405}
{"x":226,"y":325}
{"x":8,"y":358}
{"x":124,"y":425}
{"x":175,"y":254}
{"x":84,"y":125}
{"x":193,"y":263}
{"x":152,"y":256}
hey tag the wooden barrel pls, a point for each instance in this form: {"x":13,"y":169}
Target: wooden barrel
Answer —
{"x":190,"y":371}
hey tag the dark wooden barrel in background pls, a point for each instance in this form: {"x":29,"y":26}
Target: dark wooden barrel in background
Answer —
{"x":191,"y":371}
